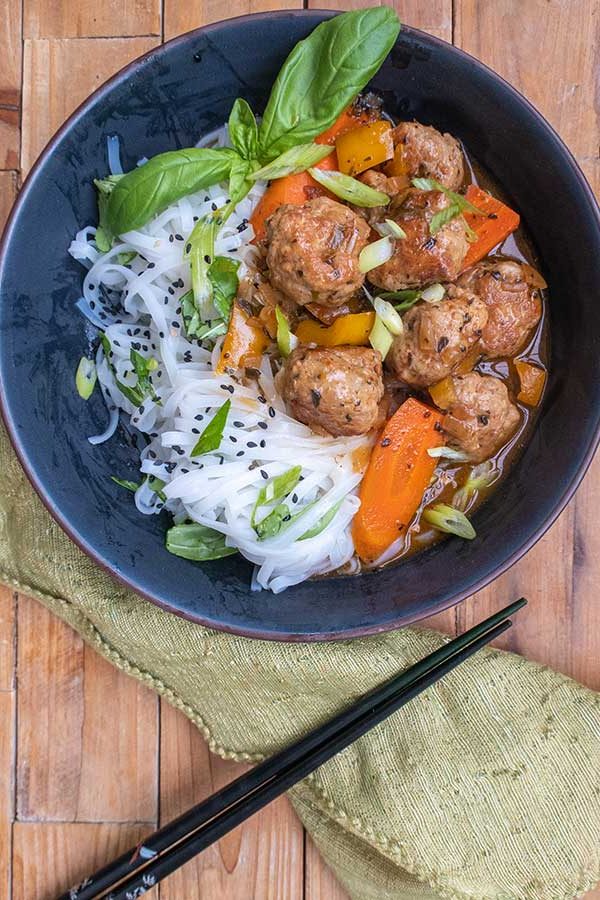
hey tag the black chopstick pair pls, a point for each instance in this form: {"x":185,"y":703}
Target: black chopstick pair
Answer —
{"x":180,"y":840}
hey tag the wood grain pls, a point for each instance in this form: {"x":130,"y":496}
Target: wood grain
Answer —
{"x":59,"y":74}
{"x":180,"y":17}
{"x":10,"y":84}
{"x":7,"y":792}
{"x":262,"y":859}
{"x":319,"y":881}
{"x":434,"y":17}
{"x":7,"y":629}
{"x":74,"y":18}
{"x":92,"y":732}
{"x":51,"y":857}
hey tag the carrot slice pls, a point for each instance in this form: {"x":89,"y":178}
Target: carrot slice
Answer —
{"x":398,"y":473}
{"x":299,"y":188}
{"x":493,"y":228}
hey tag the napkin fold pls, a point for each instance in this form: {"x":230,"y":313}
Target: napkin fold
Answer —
{"x":486,"y":787}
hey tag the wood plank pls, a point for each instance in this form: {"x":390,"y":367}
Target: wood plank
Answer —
{"x":87,"y":734}
{"x":7,"y":631}
{"x":49,"y":858}
{"x":180,"y":17}
{"x":319,"y":881}
{"x":10,"y":85}
{"x":73,"y":18}
{"x":7,"y":755}
{"x":59,"y":74}
{"x":547,"y":51}
{"x":433,"y":16}
{"x":262,"y":860}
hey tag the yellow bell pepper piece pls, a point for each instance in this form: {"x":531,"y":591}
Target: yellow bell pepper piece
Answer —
{"x":397,"y":165}
{"x":353,"y":329}
{"x":532,"y":380}
{"x":244,"y":342}
{"x":443,"y":393}
{"x":364,"y":147}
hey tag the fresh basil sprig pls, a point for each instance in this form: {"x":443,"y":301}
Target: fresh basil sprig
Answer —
{"x":243,"y":129}
{"x":222,"y":274}
{"x":322,"y":76}
{"x":147,"y":190}
{"x":211,"y":437}
{"x":197,"y":542}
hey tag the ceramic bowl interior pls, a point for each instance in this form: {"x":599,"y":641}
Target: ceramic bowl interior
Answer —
{"x":168,"y":99}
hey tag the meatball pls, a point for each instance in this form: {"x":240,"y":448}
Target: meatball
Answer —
{"x":436,"y":337}
{"x":482,"y":418}
{"x":392,"y":186}
{"x":336,"y":389}
{"x":421,"y":257}
{"x":313,"y":250}
{"x":514,"y":305}
{"x":426,"y":152}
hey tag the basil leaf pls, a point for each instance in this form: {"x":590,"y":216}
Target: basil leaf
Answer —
{"x":147,"y":190}
{"x":211,"y":437}
{"x":128,"y":485}
{"x":322,"y":524}
{"x":443,"y":216}
{"x":243,"y":129}
{"x":239,"y":183}
{"x":350,"y":189}
{"x":222,"y":274}
{"x":293,"y":161}
{"x":197,"y":542}
{"x":322,"y":76}
{"x":104,"y":236}
{"x":201,"y":249}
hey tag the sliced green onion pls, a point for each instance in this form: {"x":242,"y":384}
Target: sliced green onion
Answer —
{"x":210,"y":439}
{"x":452,"y":521}
{"x":286,"y":341}
{"x":322,"y":524}
{"x":481,"y":477}
{"x":128,"y":485}
{"x":375,"y":254}
{"x":388,"y":315}
{"x":86,"y":377}
{"x":447,"y":453}
{"x":350,"y":189}
{"x":293,"y":161}
{"x":389,"y":228}
{"x":198,"y":542}
{"x":433,"y":294}
{"x":380,"y":338}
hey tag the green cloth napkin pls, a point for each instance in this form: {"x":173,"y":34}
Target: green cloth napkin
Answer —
{"x":487,"y":786}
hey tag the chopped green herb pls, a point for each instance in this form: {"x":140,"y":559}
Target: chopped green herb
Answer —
{"x":197,"y":542}
{"x":222,"y":274}
{"x":276,"y":489}
{"x":322,"y":524}
{"x":458,"y":205}
{"x":451,"y":520}
{"x":85,"y":378}
{"x":286,"y":341}
{"x":211,"y":437}
{"x":128,"y":485}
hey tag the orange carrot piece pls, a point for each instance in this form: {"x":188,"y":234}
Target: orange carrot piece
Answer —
{"x":532,"y":380}
{"x":300,"y":188}
{"x":493,"y":228}
{"x":244,"y":342}
{"x":398,"y":473}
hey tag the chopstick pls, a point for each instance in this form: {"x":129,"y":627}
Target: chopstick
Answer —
{"x":180,"y":840}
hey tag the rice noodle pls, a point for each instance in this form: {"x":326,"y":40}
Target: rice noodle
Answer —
{"x":137,"y":303}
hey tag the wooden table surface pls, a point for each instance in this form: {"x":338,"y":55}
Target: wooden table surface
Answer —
{"x":89,"y":759}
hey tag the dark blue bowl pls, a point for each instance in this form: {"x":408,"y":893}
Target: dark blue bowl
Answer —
{"x":167,"y":99}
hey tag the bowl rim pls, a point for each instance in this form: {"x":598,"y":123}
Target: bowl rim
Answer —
{"x":262,"y":633}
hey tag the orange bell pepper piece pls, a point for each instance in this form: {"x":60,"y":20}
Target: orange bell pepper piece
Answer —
{"x":443,"y":393}
{"x":397,"y":476}
{"x":300,"y":188}
{"x":532,"y":380}
{"x":244,"y":342}
{"x":364,"y":147}
{"x":353,"y":329}
{"x":491,"y":229}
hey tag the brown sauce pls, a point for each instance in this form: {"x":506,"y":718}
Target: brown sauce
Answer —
{"x":450,"y":477}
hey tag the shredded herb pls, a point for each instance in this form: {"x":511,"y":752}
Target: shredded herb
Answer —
{"x":458,"y":205}
{"x":211,"y":437}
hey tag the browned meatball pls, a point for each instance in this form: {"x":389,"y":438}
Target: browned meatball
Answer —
{"x":514,"y":305}
{"x":436,"y":337}
{"x":428,"y":153}
{"x":422,"y":258}
{"x":392,"y":186}
{"x":336,"y":389}
{"x":482,"y":418}
{"x":313,"y":250}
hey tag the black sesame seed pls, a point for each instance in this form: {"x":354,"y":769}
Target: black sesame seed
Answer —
{"x":294,"y":498}
{"x":188,"y":247}
{"x":264,"y":474}
{"x":161,"y":334}
{"x":238,"y":424}
{"x":152,"y":454}
{"x":142,"y":407}
{"x":240,"y":453}
{"x":271,"y":412}
{"x":92,"y":304}
{"x":136,"y":330}
{"x":116,"y":343}
{"x":232,"y":439}
{"x":262,"y":425}
{"x":195,"y":431}
{"x":199,"y":417}
{"x":213,"y":206}
{"x":251,"y":444}
{"x":92,"y":287}
{"x":135,"y":345}
{"x":386,"y":442}
{"x":129,"y":332}
{"x":151,"y":265}
{"x":184,"y":471}
{"x":261,"y":399}
{"x":171,"y":291}
{"x":171,"y":238}
{"x":207,"y":259}
{"x":178,"y":237}
{"x":175,"y":324}
{"x":263,"y":444}
{"x":222,"y":460}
